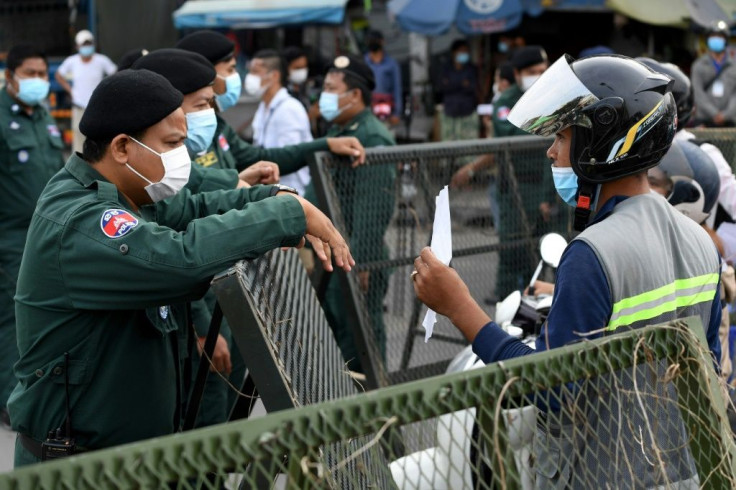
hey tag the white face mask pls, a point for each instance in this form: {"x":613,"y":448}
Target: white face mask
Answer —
{"x":299,"y":75}
{"x":253,"y":85}
{"x":177,"y":166}
{"x":527,"y":81}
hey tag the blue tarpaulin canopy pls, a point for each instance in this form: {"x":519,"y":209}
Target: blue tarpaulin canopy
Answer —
{"x":252,"y":14}
{"x":434,"y":17}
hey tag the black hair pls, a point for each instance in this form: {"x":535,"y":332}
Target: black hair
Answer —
{"x":506,"y":72}
{"x":18,"y":54}
{"x":273,"y":61}
{"x":94,"y":149}
{"x":293,"y":52}
{"x":353,"y":82}
{"x":459,"y":43}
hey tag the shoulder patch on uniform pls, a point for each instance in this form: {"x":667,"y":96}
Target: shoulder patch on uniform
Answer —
{"x":53,"y":130}
{"x":503,"y":113}
{"x":116,"y":223}
{"x":223,"y":142}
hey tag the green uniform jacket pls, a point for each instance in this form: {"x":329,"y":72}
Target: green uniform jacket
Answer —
{"x":501,"y":108}
{"x":228,"y":150}
{"x":97,"y":280}
{"x":30,"y":154}
{"x":366,"y":197}
{"x":203,"y":179}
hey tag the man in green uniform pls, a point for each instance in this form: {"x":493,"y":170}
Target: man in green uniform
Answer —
{"x":115,"y":245}
{"x":228,"y":150}
{"x":30,"y":154}
{"x":521,"y":187}
{"x":366,"y":196}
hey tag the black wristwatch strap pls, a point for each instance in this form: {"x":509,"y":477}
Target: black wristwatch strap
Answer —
{"x":276,"y":188}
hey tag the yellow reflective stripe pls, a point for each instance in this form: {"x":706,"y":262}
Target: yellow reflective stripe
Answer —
{"x":660,"y":292}
{"x":632,"y":131}
{"x":661,"y":309}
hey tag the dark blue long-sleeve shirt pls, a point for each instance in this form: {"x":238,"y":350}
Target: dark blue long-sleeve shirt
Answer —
{"x":581,"y":304}
{"x":388,"y":80}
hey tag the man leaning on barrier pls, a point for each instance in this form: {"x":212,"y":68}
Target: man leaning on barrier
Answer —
{"x":114,"y":249}
{"x":638,"y":262}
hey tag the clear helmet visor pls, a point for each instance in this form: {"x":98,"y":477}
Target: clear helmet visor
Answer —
{"x":554,"y":102}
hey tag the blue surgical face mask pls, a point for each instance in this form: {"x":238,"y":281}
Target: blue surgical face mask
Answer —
{"x":201,"y":126}
{"x":716,"y":44}
{"x":566,"y":183}
{"x":462,"y":58}
{"x":329,"y":105}
{"x":31,"y":91}
{"x":87,"y":50}
{"x":233,"y":86}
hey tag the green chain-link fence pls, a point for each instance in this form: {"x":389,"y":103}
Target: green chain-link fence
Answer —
{"x":640,"y":409}
{"x":724,"y":139}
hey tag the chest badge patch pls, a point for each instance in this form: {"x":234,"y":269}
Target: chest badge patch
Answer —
{"x":223,"y":143}
{"x":116,"y":223}
{"x":503,"y":113}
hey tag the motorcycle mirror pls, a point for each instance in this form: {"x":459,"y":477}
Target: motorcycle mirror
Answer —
{"x":551,"y":246}
{"x":506,"y":309}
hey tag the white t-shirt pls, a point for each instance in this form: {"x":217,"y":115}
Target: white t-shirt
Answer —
{"x":85,"y":77}
{"x":284,"y":122}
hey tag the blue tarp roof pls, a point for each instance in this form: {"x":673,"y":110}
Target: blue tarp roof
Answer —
{"x":251,"y":14}
{"x":434,"y":17}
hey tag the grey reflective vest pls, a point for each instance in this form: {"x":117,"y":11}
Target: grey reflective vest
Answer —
{"x":660,"y":265}
{"x":624,"y":430}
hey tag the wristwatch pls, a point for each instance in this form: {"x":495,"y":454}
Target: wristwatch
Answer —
{"x":276,"y":188}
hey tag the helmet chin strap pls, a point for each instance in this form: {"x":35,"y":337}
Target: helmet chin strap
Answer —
{"x":586,"y":199}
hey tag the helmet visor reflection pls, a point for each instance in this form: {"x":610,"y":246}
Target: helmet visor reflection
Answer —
{"x":554,"y":102}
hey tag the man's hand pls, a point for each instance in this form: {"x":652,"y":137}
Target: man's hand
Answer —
{"x":462,"y":177}
{"x":350,"y":146}
{"x":545,"y":209}
{"x":220,"y":357}
{"x":242,"y":184}
{"x":718,"y":119}
{"x":440,"y":288}
{"x":262,"y":172}
{"x":324,"y":237}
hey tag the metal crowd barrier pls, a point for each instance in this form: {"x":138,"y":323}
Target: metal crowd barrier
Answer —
{"x":639,"y":409}
{"x":388,"y":219}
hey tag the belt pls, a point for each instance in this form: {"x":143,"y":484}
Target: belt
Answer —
{"x":36,"y":449}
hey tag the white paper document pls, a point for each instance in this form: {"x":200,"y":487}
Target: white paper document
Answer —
{"x":441,"y":246}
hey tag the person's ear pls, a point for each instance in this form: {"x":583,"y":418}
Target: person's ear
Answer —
{"x":119,"y":148}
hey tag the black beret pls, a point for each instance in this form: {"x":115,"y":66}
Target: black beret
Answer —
{"x":129,"y":101}
{"x":212,"y":45}
{"x":528,"y":56}
{"x":130,"y":57}
{"x":187,"y":71}
{"x":356,"y":67}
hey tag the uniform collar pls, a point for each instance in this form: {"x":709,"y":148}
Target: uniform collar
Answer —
{"x":360,"y":117}
{"x":82,"y":171}
{"x":13,"y":106}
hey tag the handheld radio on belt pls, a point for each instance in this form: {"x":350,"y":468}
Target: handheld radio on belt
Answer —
{"x":57,"y":446}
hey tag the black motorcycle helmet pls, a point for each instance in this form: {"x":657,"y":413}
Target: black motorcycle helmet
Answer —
{"x":694,"y":183}
{"x":622,"y":113}
{"x":682,"y":89}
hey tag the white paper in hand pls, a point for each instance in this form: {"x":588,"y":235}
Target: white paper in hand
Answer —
{"x":441,"y":246}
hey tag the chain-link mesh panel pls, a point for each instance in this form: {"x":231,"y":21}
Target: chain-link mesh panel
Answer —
{"x":280,"y":328}
{"x":499,"y":211}
{"x":640,"y":409}
{"x":724,"y":139}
